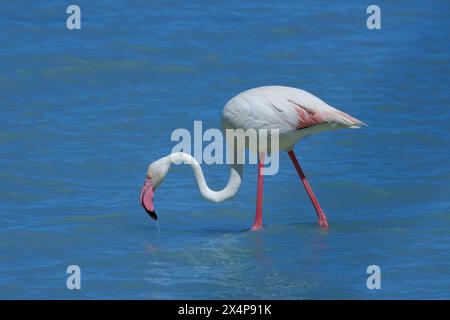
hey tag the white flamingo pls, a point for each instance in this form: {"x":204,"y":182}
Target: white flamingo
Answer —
{"x":296,"y":113}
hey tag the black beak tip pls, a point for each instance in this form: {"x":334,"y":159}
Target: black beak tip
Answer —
{"x":152,"y":214}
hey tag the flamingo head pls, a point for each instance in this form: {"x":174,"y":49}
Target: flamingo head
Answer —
{"x":147,"y":198}
{"x":155,"y":175}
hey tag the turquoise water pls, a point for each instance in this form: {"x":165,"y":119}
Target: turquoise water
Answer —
{"x":84,"y":112}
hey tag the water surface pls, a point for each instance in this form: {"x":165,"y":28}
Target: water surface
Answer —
{"x":84,"y":112}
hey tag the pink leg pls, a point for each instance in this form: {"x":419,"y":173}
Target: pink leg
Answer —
{"x":320,"y":214}
{"x":259,"y":195}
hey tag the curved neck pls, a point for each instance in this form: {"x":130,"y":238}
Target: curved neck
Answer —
{"x":230,"y":189}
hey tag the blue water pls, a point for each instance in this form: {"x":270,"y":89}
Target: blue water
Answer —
{"x":84,"y":112}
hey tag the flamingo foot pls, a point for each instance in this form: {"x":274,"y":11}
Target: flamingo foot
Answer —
{"x":256,"y":226}
{"x":323,"y":223}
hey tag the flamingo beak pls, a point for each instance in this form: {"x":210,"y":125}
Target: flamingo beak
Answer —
{"x":147,"y":198}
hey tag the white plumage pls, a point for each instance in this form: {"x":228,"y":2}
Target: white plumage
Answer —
{"x":295,"y":112}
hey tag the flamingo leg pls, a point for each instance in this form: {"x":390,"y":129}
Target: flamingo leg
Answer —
{"x":320,"y":214}
{"x":259,"y":194}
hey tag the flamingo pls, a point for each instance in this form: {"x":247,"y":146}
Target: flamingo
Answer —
{"x":295,"y":112}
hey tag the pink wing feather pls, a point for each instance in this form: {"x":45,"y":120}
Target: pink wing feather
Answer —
{"x":308,"y":117}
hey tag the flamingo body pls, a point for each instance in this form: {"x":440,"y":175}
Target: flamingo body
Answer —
{"x":295,"y":112}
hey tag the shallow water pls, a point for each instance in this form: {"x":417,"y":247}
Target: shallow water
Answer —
{"x":84,"y":112}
